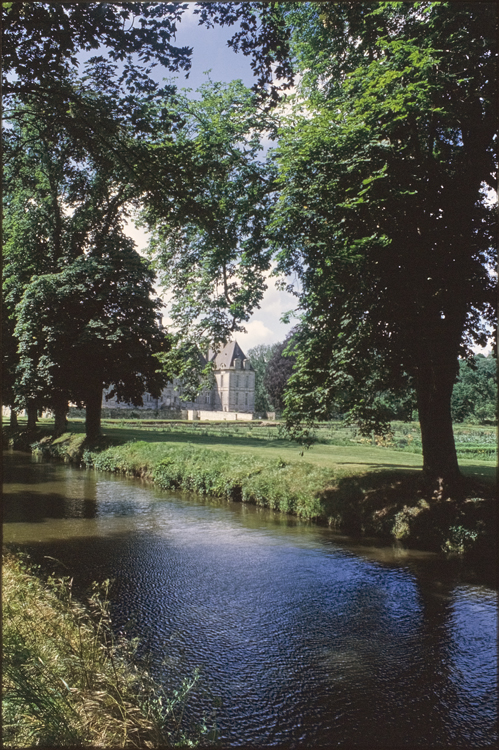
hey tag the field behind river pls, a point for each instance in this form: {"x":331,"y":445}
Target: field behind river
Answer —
{"x":337,"y":445}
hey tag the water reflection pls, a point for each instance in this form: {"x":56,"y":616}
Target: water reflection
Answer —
{"x":33,"y":492}
{"x":307,"y":637}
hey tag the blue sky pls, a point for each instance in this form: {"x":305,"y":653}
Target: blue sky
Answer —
{"x":210,"y":52}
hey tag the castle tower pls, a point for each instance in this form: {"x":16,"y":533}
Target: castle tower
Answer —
{"x":235,"y":379}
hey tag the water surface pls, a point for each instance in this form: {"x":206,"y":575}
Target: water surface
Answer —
{"x":304,"y":637}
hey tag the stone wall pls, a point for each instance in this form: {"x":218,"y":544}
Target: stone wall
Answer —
{"x":219,"y":416}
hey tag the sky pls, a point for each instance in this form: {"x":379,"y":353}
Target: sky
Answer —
{"x":210,"y":52}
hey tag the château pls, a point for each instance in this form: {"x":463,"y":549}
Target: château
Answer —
{"x":232,"y":395}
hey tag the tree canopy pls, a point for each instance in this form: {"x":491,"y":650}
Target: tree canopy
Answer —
{"x":278,"y":372}
{"x":78,"y":297}
{"x":41,"y":41}
{"x":382,"y":211}
{"x":212,"y":262}
{"x":101,"y":101}
{"x":91,"y":326}
{"x":474,"y":398}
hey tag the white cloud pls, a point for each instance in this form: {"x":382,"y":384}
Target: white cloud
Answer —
{"x":265,"y":326}
{"x":256,"y":333}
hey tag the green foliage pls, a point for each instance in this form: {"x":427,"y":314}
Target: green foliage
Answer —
{"x":183,"y":363}
{"x":42,"y":46}
{"x":381,"y":211}
{"x":259,"y":357}
{"x":278,"y":372}
{"x":475,"y":393}
{"x":396,"y":406}
{"x":382,"y":170}
{"x":78,"y":297}
{"x":213,"y":259}
{"x":10,"y":358}
{"x":41,"y":40}
{"x":382,"y":216}
{"x":95,"y":321}
{"x":460,"y":539}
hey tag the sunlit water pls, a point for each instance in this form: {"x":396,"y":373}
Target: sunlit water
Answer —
{"x":304,"y":637}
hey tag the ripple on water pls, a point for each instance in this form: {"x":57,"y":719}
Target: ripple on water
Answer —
{"x":302,"y":637}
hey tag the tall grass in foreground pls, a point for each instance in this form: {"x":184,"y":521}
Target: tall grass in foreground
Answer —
{"x":67,"y":680}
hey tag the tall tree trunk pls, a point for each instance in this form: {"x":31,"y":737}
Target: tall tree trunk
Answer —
{"x":93,"y":403}
{"x":13,"y":418}
{"x":61,"y":409}
{"x":434,"y":385}
{"x":32,"y":413}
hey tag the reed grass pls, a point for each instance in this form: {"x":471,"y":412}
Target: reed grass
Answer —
{"x":68,"y":680}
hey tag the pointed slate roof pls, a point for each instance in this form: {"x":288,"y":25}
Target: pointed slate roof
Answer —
{"x":225,"y":358}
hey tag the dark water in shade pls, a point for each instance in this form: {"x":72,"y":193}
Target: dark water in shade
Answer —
{"x":305,"y":638}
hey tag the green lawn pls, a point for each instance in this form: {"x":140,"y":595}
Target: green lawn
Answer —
{"x":263,"y":442}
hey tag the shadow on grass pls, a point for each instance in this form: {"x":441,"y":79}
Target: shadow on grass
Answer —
{"x":486,"y":473}
{"x":126,"y":434}
{"x":389,"y":467}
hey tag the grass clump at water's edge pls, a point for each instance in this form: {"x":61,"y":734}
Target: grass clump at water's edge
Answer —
{"x":381,"y":502}
{"x":67,"y":680}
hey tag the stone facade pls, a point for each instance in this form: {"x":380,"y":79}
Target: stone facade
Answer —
{"x":232,"y":393}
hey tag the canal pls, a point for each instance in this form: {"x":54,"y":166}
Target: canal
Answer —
{"x":303,"y":637}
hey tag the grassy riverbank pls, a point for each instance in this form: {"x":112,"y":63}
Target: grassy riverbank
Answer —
{"x":67,"y":680}
{"x":355,"y":486}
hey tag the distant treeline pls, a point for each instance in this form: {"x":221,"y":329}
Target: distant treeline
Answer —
{"x":474,"y":398}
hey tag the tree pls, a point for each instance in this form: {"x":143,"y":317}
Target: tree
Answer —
{"x":77,"y":295}
{"x":212,"y":258}
{"x":382,"y":212}
{"x":10,"y":360}
{"x":474,"y":397}
{"x":278,"y":372}
{"x":102,"y":104}
{"x":91,"y":326}
{"x":259,"y":357}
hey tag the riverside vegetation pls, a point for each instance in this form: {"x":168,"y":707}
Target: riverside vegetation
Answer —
{"x":68,"y":680}
{"x":357,"y":485}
